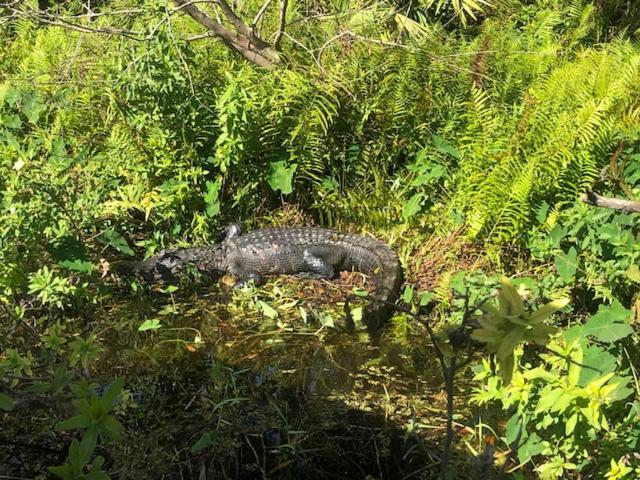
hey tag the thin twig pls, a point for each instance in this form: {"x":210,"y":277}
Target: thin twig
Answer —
{"x":449,"y":375}
{"x":261,"y":13}
{"x":283,"y":15}
{"x":61,"y":22}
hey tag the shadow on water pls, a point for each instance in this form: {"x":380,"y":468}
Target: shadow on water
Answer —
{"x":272,"y":423}
{"x":232,"y":390}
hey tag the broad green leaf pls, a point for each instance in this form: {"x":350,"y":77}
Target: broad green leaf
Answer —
{"x":514,"y":428}
{"x":534,"y":445}
{"x":512,"y":296}
{"x":570,"y":426}
{"x":425,"y":298}
{"x":510,"y":342}
{"x":71,"y":254}
{"x":621,"y":390}
{"x":330,"y":184}
{"x":566,"y":265}
{"x":407,"y":295}
{"x":112,"y":392}
{"x":595,"y":385}
{"x":435,"y":172}
{"x":326,"y":320}
{"x":117,"y":241}
{"x":609,"y":231}
{"x":575,"y":362}
{"x":507,"y":365}
{"x":12,"y":121}
{"x":281,"y":176}
{"x":444,"y":146}
{"x":77,"y":456}
{"x":39,"y":387}
{"x":412,"y":206}
{"x":211,"y":198}
{"x":80,"y":266}
{"x":540,"y":372}
{"x":548,"y":309}
{"x":556,"y":235}
{"x":207,"y":439}
{"x":597,"y":361}
{"x":79,"y":421}
{"x":633,"y":273}
{"x":61,"y":471}
{"x":609,"y":324}
{"x":487,"y":336}
{"x":573,"y":333}
{"x":32,"y":107}
{"x":267,"y":310}
{"x":10,"y":94}
{"x":548,"y":397}
{"x":151,"y":324}
{"x":88,"y":442}
{"x":111,"y":427}
{"x":6,"y":403}
{"x":542,"y":211}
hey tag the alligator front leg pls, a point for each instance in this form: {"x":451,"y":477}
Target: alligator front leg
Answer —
{"x":247,"y":277}
{"x":229,"y":232}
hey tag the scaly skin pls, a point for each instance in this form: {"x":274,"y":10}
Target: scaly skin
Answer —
{"x":319,"y":252}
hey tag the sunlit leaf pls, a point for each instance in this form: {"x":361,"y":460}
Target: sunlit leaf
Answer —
{"x":267,"y":310}
{"x":117,"y":241}
{"x":566,"y":265}
{"x":211,"y":199}
{"x":609,"y":324}
{"x":412,"y":206}
{"x":281,"y":176}
{"x":443,"y":146}
{"x":151,"y":324}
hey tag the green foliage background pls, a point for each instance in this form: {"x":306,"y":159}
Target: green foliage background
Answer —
{"x":390,"y":120}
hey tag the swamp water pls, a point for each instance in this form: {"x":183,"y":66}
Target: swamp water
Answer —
{"x":264,"y":383}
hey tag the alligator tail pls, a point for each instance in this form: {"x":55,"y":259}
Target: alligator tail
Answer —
{"x":375,"y":258}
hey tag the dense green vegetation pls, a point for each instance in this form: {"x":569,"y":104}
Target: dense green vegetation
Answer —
{"x":463,"y":133}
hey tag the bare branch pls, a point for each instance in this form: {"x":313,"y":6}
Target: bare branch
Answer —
{"x":59,"y":21}
{"x":627,"y":206}
{"x":237,"y":23}
{"x":283,"y":14}
{"x":202,"y":36}
{"x":261,"y":12}
{"x":244,"y":42}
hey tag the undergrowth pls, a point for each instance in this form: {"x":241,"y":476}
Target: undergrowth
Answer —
{"x":461,"y":134}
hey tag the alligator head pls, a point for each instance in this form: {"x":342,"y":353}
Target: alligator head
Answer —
{"x":168,"y":265}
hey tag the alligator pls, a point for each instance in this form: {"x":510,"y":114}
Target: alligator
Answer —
{"x":307,"y":251}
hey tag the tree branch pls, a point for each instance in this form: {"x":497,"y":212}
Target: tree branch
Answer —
{"x":260,"y":13}
{"x":283,"y":14}
{"x":238,"y":24}
{"x":627,"y":206}
{"x":244,"y":41}
{"x":60,"y":21}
